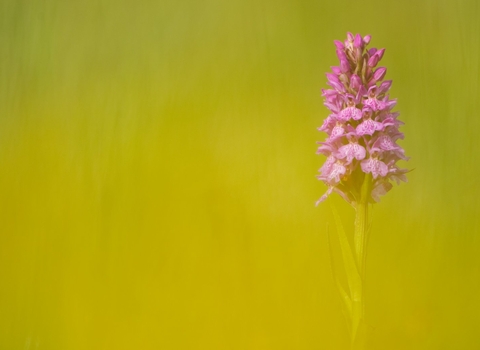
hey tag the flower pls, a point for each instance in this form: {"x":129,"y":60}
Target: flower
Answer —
{"x":350,"y":151}
{"x":374,"y":166}
{"x":362,"y":130}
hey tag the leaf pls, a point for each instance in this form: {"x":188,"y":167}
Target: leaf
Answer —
{"x":347,"y":302}
{"x":361,"y":337}
{"x":353,"y":277}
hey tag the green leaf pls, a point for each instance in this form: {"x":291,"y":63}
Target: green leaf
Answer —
{"x":360,"y":340}
{"x":347,"y":302}
{"x":353,"y":277}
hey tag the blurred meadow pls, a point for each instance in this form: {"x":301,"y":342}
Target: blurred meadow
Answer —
{"x":157,"y":181}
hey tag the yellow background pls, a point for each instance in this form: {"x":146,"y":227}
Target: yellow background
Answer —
{"x":157,"y":175}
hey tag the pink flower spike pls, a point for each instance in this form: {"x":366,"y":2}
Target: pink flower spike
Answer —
{"x":351,"y":151}
{"x":374,"y":166}
{"x":362,"y":128}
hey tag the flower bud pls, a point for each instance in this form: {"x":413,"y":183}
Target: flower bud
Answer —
{"x":335,"y":82}
{"x":358,"y":41}
{"x":344,"y":66}
{"x":379,"y":74}
{"x":339,"y":45}
{"x":341,"y":55}
{"x":336,"y":70}
{"x":384,"y":87}
{"x":373,"y":61}
{"x":355,"y":82}
{"x":380,"y":53}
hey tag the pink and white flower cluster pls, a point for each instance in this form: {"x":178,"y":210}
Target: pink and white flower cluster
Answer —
{"x":362,"y":129}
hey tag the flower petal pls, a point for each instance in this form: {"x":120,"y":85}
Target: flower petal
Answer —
{"x":350,"y":113}
{"x":351,"y":151}
{"x":374,"y":166}
{"x":337,"y":132}
{"x":368,"y":127}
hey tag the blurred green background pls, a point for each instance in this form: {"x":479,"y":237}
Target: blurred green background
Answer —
{"x":157,"y":181}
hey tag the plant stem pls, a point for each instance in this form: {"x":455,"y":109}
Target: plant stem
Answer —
{"x":360,"y":242}
{"x":361,"y":223}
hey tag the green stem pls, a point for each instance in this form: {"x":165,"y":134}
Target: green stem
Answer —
{"x":360,"y":242}
{"x":361,"y":223}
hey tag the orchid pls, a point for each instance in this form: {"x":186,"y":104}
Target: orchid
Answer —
{"x":362,"y":154}
{"x":361,"y":129}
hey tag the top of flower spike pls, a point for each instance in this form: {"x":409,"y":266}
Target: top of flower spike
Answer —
{"x":362,"y":129}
